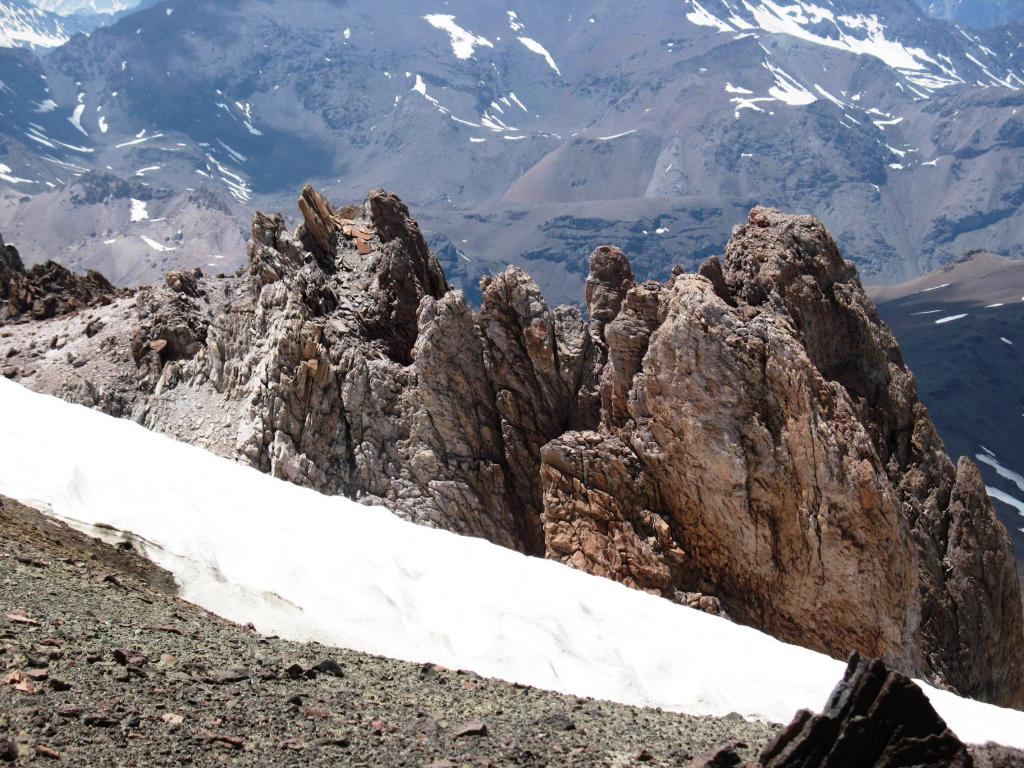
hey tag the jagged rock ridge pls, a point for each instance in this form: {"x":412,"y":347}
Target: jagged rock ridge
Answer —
{"x":745,"y":440}
{"x":45,"y":290}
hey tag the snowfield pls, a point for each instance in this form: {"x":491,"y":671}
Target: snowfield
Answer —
{"x":310,"y":567}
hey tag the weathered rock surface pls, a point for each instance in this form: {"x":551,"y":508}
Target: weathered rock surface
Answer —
{"x":874,"y":717}
{"x":45,"y":290}
{"x":746,"y":441}
{"x":761,"y":441}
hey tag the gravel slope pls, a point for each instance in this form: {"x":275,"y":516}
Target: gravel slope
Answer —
{"x":102,"y":665}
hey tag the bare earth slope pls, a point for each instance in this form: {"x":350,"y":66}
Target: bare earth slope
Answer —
{"x":102,"y":665}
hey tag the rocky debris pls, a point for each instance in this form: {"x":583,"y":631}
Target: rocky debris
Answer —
{"x":874,"y":717}
{"x":382,"y":713}
{"x":46,"y":290}
{"x":184,"y":282}
{"x":719,"y":757}
{"x":94,"y":188}
{"x":746,"y":441}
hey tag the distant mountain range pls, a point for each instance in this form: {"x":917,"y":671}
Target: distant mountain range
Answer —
{"x":519,"y":136}
{"x":69,"y":7}
{"x":960,"y":329}
{"x":44,"y":24}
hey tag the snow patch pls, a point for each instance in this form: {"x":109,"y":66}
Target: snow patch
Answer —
{"x":464,"y":43}
{"x":788,"y":89}
{"x":158,"y":247}
{"x":1006,"y":498}
{"x":616,"y":136}
{"x":704,"y":18}
{"x":534,"y":47}
{"x":5,"y":172}
{"x":344,"y":574}
{"x":139,"y":211}
{"x":1007,"y":474}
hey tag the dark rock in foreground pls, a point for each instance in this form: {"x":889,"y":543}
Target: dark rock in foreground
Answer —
{"x":874,"y":717}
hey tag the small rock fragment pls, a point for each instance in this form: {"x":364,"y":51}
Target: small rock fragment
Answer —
{"x":228,"y":676}
{"x":231,"y":742}
{"x":718,"y":757}
{"x":472,"y":728}
{"x":100,"y":720}
{"x":20,"y":618}
{"x":330,"y":667}
{"x":44,"y":751}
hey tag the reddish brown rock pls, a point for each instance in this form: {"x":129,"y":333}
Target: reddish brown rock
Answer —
{"x":46,"y":290}
{"x":774,"y":432}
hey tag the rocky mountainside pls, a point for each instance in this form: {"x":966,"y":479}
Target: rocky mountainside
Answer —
{"x":745,"y":439}
{"x":46,"y":24}
{"x":527,"y":138}
{"x":24,"y":25}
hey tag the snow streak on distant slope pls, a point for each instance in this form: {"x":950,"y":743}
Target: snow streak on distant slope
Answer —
{"x":534,"y":47}
{"x":254,"y":548}
{"x":463,"y":42}
{"x":861,"y":34}
{"x":67,"y":7}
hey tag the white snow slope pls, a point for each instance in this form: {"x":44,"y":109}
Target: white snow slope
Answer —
{"x":313,"y":567}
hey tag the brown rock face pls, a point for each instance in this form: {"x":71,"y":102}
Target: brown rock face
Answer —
{"x":746,"y":441}
{"x":45,"y":290}
{"x":763,"y":442}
